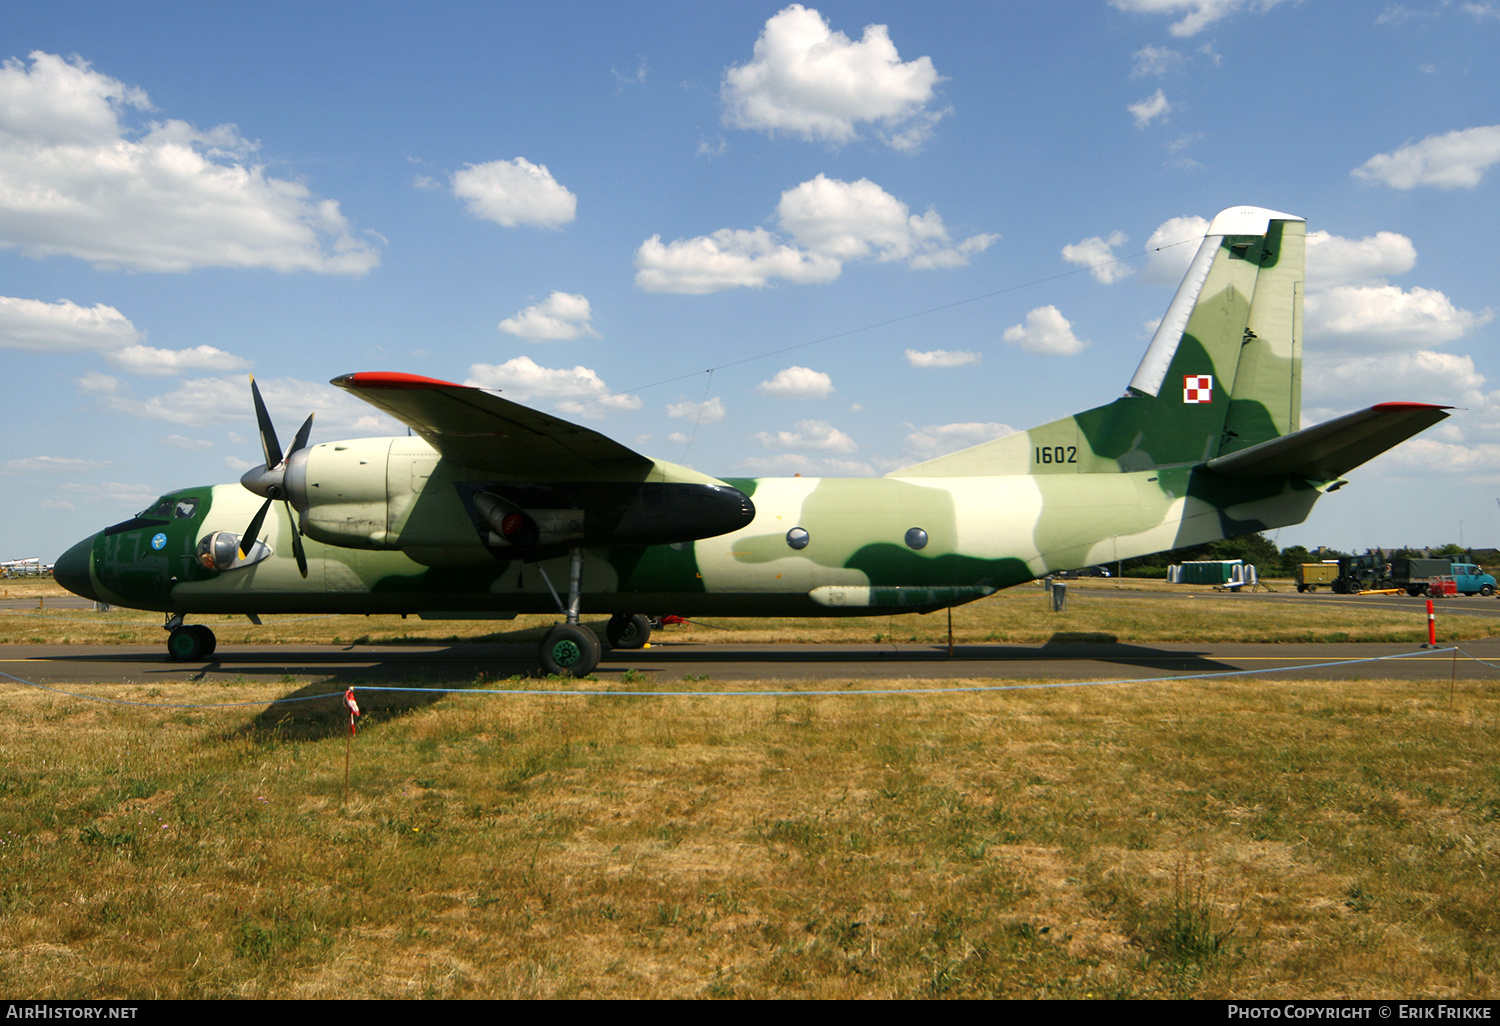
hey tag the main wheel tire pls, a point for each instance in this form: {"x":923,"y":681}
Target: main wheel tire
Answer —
{"x":1486,"y":590}
{"x":628,"y":631}
{"x":186,"y":645}
{"x":569,"y":651}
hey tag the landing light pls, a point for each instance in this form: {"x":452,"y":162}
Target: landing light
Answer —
{"x":221,"y":551}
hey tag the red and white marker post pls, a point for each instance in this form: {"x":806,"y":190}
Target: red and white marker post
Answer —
{"x":353,"y":708}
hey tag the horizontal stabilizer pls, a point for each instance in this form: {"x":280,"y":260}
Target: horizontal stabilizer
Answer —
{"x":1333,"y":448}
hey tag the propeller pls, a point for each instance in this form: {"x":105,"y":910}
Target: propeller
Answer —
{"x":270,"y":480}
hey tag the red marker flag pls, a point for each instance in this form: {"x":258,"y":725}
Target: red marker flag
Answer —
{"x":353,"y":709}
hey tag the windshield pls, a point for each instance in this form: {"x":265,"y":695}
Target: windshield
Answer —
{"x":168,"y":507}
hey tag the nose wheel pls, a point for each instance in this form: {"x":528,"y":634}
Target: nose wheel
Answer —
{"x":188,"y":643}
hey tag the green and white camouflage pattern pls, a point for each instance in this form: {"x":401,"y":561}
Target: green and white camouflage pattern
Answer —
{"x":1204,"y":444}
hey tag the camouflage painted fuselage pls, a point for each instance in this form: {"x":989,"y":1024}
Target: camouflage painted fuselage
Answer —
{"x":1204,"y":444}
{"x":982,"y":534}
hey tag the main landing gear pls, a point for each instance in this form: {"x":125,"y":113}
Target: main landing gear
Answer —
{"x":572,"y":650}
{"x":188,"y":643}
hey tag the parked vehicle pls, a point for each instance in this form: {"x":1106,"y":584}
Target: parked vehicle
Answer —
{"x":1312,"y":576}
{"x":1362,"y":573}
{"x":1416,"y":575}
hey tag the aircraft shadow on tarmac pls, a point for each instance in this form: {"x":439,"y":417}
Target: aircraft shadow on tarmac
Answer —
{"x":315,"y":710}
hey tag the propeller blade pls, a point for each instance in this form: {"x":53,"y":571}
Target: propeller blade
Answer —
{"x":297,"y":532}
{"x":302,"y":433}
{"x":252,"y":533}
{"x":268,"y":440}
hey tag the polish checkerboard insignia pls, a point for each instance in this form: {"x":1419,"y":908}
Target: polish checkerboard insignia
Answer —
{"x":1197,"y":388}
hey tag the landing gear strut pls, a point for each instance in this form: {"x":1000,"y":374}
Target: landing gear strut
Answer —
{"x":570,"y":649}
{"x":188,"y":643}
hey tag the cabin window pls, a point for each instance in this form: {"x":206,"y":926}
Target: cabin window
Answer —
{"x":797,"y":538}
{"x":916,"y":538}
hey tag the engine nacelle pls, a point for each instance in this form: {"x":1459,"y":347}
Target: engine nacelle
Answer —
{"x":398,"y":493}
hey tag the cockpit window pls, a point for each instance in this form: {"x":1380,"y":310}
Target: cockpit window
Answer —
{"x":166,"y":508}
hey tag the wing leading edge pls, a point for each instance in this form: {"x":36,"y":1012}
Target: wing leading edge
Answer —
{"x":479,"y":429}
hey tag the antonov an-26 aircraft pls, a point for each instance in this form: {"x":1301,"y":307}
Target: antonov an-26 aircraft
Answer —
{"x":495,"y":509}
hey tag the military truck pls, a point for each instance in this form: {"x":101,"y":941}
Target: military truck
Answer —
{"x":1362,"y":573}
{"x":1416,"y":574}
{"x":1348,"y":575}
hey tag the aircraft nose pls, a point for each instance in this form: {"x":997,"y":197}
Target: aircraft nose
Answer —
{"x":72,"y":569}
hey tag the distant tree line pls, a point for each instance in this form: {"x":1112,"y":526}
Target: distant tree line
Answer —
{"x":1270,"y":561}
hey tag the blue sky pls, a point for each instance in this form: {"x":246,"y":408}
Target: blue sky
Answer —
{"x":874,"y":223}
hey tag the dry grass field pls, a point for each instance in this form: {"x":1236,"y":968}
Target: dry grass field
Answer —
{"x":1253,"y":839}
{"x":1240,"y":839}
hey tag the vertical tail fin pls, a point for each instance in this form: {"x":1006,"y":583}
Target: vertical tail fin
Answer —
{"x":1223,"y":371}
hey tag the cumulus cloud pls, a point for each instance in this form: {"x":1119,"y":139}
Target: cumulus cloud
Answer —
{"x":95,"y":383}
{"x":80,"y":177}
{"x":1197,"y":15}
{"x":163,"y":362}
{"x":1340,"y":380}
{"x":1426,"y":454}
{"x":1334,"y":260}
{"x":1385,"y":317}
{"x":729,"y":258}
{"x":710,"y":411}
{"x":66,"y":327}
{"x":943,"y":358}
{"x":813,"y":82}
{"x":204,"y":402}
{"x":562,"y":315}
{"x":1098,"y":255}
{"x":1456,"y":160}
{"x":1170,"y":249}
{"x":1154,"y":60}
{"x":580,"y":390}
{"x":1148,"y":110}
{"x":127,"y":494}
{"x":860,"y":220}
{"x":1046,"y":332}
{"x":830,"y":223}
{"x":809,"y":436}
{"x":514,"y":192}
{"x":62,"y":327}
{"x":51,"y":465}
{"x":797,"y":383}
{"x":189,"y":444}
{"x":940,"y":439}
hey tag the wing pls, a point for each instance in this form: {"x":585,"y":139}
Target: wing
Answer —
{"x":477,"y":428}
{"x":1333,"y":448}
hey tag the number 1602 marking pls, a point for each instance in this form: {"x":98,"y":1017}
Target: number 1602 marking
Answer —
{"x":1057,"y":454}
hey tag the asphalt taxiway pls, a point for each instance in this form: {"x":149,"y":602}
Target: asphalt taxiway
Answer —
{"x":672,"y":663}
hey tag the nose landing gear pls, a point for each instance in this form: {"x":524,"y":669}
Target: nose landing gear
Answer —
{"x":188,"y":643}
